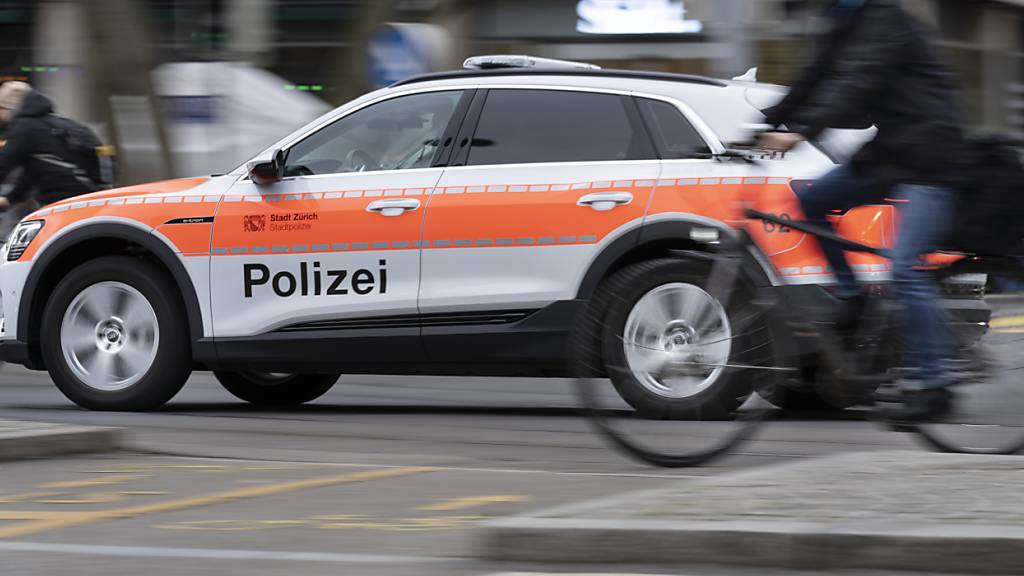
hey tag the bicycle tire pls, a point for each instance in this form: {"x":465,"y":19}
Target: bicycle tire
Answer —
{"x":618,"y":427}
{"x":985,"y":420}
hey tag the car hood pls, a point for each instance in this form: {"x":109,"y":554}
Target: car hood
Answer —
{"x":177,"y":185}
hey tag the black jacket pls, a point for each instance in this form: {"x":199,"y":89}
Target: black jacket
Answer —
{"x":877,"y":66}
{"x":33,"y":144}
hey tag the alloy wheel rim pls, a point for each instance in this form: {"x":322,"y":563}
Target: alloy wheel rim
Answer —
{"x":109,"y":336}
{"x":677,"y":340}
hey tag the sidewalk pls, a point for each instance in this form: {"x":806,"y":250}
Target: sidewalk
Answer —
{"x":884,"y":510}
{"x":20,"y":440}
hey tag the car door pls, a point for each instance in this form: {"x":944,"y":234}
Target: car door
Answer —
{"x":543,"y":179}
{"x":338,"y":237}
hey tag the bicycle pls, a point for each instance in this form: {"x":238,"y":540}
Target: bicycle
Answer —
{"x":849,"y":368}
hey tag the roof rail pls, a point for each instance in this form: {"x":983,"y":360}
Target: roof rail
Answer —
{"x":606,"y":73}
{"x":514,"y":61}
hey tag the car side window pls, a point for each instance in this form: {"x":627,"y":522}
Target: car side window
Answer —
{"x":397,"y":134}
{"x":673,"y":134}
{"x":519,"y":126}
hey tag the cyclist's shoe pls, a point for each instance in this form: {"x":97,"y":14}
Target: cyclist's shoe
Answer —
{"x":915,"y":405}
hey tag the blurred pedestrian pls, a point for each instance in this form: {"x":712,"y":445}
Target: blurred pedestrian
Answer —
{"x":877,"y":65}
{"x":59,"y":157}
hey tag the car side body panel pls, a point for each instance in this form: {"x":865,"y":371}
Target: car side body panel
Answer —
{"x":499,"y":260}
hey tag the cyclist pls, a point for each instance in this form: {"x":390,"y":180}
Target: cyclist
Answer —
{"x":58,"y":155}
{"x":877,"y":65}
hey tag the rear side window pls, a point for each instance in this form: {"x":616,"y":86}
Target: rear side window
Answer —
{"x":519,"y":126}
{"x":673,"y":134}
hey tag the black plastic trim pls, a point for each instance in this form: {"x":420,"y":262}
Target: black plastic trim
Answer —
{"x":14,"y":351}
{"x":603,"y":73}
{"x":650,"y":151}
{"x":537,"y":344}
{"x":28,"y":321}
{"x":412,"y":320}
{"x":461,"y":146}
{"x":606,"y":260}
{"x":450,"y":136}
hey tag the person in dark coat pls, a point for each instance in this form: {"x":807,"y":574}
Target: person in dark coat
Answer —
{"x":32,"y":143}
{"x":877,"y":67}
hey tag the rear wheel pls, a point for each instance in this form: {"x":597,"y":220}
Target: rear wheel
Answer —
{"x":681,"y":354}
{"x":667,"y":342}
{"x":114,"y":335}
{"x":276,"y":389}
{"x":988,"y":414}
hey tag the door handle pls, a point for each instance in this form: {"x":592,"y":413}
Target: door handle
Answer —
{"x":602,"y":201}
{"x":393,"y":207}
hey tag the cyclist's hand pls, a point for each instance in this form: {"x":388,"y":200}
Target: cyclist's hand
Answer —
{"x":5,"y":204}
{"x":779,"y":141}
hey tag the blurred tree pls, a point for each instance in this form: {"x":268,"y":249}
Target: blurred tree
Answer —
{"x":121,"y":62}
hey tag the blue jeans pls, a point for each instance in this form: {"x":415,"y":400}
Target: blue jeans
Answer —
{"x":927,"y":216}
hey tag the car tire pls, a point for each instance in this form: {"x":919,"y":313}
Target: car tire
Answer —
{"x":269,"y":389}
{"x":712,"y":396}
{"x":139,"y":355}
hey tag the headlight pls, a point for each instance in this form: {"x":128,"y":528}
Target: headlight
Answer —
{"x":22,"y":237}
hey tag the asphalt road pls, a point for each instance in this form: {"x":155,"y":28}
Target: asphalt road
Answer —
{"x":384,"y":475}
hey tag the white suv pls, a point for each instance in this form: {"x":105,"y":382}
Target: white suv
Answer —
{"x":456,"y":223}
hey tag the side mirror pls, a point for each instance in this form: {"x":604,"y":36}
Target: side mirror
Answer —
{"x":264,"y":171}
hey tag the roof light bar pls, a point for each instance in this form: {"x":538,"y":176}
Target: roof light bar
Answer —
{"x":519,"y":61}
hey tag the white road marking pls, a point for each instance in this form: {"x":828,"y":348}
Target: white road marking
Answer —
{"x":215,"y":554}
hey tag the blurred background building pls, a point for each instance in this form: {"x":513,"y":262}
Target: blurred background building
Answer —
{"x":229,"y":76}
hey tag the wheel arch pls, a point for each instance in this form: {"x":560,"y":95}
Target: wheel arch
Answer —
{"x":103,"y":238}
{"x":656,"y":239}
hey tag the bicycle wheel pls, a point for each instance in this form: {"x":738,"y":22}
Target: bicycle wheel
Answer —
{"x":684,"y":358}
{"x":987,"y":317}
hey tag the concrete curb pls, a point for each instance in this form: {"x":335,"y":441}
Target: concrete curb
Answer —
{"x":793,"y":546}
{"x":25,"y":440}
{"x":910,"y":511}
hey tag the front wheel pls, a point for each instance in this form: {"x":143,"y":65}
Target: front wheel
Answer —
{"x":274,"y":389}
{"x":114,"y":335}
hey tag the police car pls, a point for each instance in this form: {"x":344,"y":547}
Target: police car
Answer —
{"x":456,"y":223}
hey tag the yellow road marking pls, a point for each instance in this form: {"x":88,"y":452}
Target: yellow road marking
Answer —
{"x":89,"y":482}
{"x":473,"y":502}
{"x":25,"y":496}
{"x":333,"y":522}
{"x":233,"y":525}
{"x":136,"y":468}
{"x":80,"y":518}
{"x":1007,"y":322}
{"x":348,"y":522}
{"x":143,"y":493}
{"x":33,"y":515}
{"x":88,"y":498}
